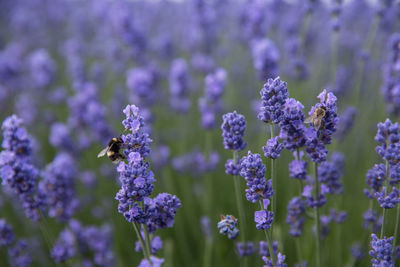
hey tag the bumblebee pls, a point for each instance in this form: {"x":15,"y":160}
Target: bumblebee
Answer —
{"x":316,"y":118}
{"x":112,"y":150}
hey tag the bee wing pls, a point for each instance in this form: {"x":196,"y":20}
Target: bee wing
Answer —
{"x":317,"y":124}
{"x":103,"y":152}
{"x":309,"y":120}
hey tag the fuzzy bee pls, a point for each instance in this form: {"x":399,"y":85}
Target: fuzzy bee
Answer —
{"x":316,"y":118}
{"x":112,"y":150}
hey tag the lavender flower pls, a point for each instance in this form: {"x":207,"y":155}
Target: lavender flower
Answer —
{"x":17,"y":173}
{"x":266,"y":58}
{"x":155,"y":262}
{"x":292,"y":126}
{"x":381,"y":251}
{"x":179,"y":81}
{"x":311,"y":201}
{"x":280,"y":262}
{"x":7,"y":236}
{"x":206,"y":226}
{"x":273,"y":148}
{"x":165,"y":207}
{"x":18,"y":254}
{"x":253,"y":170}
{"x":345,"y":123}
{"x":372,"y":221}
{"x":233,"y":129}
{"x":42,"y":68}
{"x":296,"y":216}
{"x":65,"y":247}
{"x":232,"y":168}
{"x":376,"y":176}
{"x":142,"y":85}
{"x":273,"y":96}
{"x":246,"y":249}
{"x":357,"y":251}
{"x":264,"y":248}
{"x":211,"y":103}
{"x":298,"y":168}
{"x":59,"y":186}
{"x":329,"y":174}
{"x":388,"y":200}
{"x":228,"y":226}
{"x":264,"y":218}
{"x":156,"y":244}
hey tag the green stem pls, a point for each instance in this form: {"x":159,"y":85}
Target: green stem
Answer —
{"x":317,"y":218}
{"x":208,"y":253}
{"x":239,"y":203}
{"x":142,"y":243}
{"x":298,"y":249}
{"x":273,"y":176}
{"x":147,"y":239}
{"x":386,"y":190}
{"x":269,"y":240}
{"x":396,"y":229}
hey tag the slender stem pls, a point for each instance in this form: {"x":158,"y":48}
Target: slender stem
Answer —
{"x":142,"y":243}
{"x":384,"y":219}
{"x":273,"y":175}
{"x":298,"y":249}
{"x":269,"y":240}
{"x":317,"y":217}
{"x":239,"y":203}
{"x":396,"y":229}
{"x":147,"y":239}
{"x":208,"y":253}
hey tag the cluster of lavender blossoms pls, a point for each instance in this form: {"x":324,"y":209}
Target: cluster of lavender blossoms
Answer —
{"x":383,"y":181}
{"x":211,"y":103}
{"x":17,"y":249}
{"x":19,"y":175}
{"x":137,"y":183}
{"x":179,"y":86}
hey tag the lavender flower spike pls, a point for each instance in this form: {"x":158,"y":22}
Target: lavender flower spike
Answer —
{"x":228,"y":226}
{"x":381,"y":251}
{"x":273,"y":96}
{"x":233,"y":129}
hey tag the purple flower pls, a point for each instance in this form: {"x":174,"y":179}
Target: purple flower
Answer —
{"x":372,"y":221}
{"x":163,"y":209}
{"x":228,"y":226}
{"x":246,"y":249}
{"x":264,"y":218}
{"x":253,"y":171}
{"x":233,"y":129}
{"x":311,"y":201}
{"x":65,"y":247}
{"x":345,"y":123}
{"x":206,"y":226}
{"x":273,"y":148}
{"x":17,"y":173}
{"x":142,"y":84}
{"x":357,"y":251}
{"x":42,"y":68}
{"x":156,"y":244}
{"x":280,"y":261}
{"x":60,"y":137}
{"x":296,"y":216}
{"x":266,"y":58}
{"x":330,"y":119}
{"x":7,"y":236}
{"x":292,"y":126}
{"x":376,"y":176}
{"x":388,"y":200}
{"x":211,"y":103}
{"x":381,"y":251}
{"x":58,"y":185}
{"x":18,"y":254}
{"x":315,"y":149}
{"x":264,"y":248}
{"x":394,"y":175}
{"x":232,"y":168}
{"x":329,"y":174}
{"x":273,"y":96}
{"x":179,"y":85}
{"x":155,"y":262}
{"x":298,"y":168}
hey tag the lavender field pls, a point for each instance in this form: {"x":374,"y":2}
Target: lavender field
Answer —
{"x":200,"y":133}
